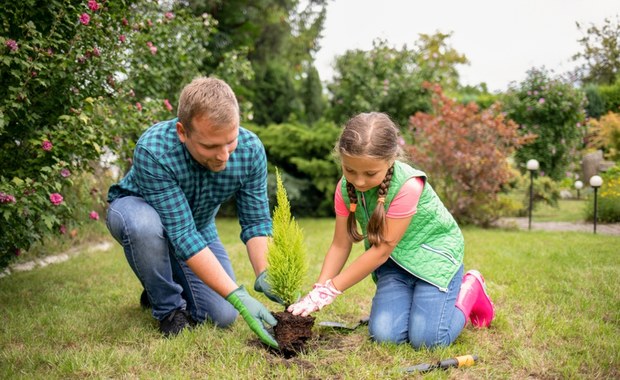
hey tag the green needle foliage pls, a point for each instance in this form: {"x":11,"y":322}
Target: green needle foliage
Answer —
{"x":286,"y":257}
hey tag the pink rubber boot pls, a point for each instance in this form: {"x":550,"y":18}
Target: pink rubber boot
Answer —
{"x":474,"y":301}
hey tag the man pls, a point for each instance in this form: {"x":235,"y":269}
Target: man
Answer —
{"x":163,"y":213}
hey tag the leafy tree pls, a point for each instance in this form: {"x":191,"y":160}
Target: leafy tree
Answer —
{"x":390,"y":80}
{"x":601,"y":52}
{"x":277,"y":37}
{"x":478,"y":94}
{"x":464,"y":151}
{"x":553,"y":110}
{"x":275,"y":98}
{"x":312,"y":96}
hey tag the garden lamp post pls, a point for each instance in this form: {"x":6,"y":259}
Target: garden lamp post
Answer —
{"x":532,"y":165}
{"x":595,"y":182}
{"x":578,"y":186}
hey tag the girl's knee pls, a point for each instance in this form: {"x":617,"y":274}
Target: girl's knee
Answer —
{"x":384,"y":334}
{"x":418,"y":341}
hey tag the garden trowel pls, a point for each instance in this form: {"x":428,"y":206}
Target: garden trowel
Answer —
{"x":344,"y":326}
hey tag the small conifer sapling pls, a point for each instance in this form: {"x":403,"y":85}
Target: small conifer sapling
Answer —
{"x":287,"y":267}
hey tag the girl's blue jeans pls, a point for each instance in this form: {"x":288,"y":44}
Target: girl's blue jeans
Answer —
{"x":408,"y":309}
{"x":168,"y":281}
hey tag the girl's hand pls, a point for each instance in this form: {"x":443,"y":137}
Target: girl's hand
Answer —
{"x":320,"y":296}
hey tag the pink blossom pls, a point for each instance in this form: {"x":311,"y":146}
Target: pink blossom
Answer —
{"x":65,"y":173}
{"x":84,"y":18}
{"x":6,"y":198}
{"x":56,"y":199}
{"x":11,"y":44}
{"x":96,"y":52}
{"x":125,"y":22}
{"x":94,"y":215}
{"x":63,"y":229}
{"x":46,"y":145}
{"x":152,"y":47}
{"x":541,"y":100}
{"x":122,"y":38}
{"x":93,"y":5}
{"x":167,"y":105}
{"x":139,"y":106}
{"x":169,"y":15}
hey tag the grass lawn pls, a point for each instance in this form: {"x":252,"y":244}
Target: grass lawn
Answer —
{"x":557,"y":297}
{"x":568,"y":210}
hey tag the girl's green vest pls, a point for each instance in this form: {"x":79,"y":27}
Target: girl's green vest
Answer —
{"x":432,"y":247}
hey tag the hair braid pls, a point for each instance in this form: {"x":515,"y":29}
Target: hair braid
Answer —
{"x":376,"y":224}
{"x":351,"y":222}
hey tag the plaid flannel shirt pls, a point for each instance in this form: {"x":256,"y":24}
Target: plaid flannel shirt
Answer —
{"x":187,"y":195}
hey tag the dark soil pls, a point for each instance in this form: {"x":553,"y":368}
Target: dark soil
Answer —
{"x":292,"y":332}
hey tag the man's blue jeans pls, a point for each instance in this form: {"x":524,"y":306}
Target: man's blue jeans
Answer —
{"x":407,"y":309}
{"x":169,"y":283}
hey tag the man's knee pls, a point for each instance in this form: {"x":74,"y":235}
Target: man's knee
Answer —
{"x":223,"y":316}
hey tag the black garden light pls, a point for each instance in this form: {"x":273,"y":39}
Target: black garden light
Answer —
{"x":532,"y":165}
{"x":595,"y":182}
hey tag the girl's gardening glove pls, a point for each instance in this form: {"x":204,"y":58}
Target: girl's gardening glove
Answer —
{"x":319,"y":297}
{"x":254,"y":314}
{"x":261,"y":285}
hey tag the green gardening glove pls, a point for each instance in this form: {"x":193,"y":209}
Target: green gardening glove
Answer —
{"x":254,"y":313}
{"x":261,"y":285}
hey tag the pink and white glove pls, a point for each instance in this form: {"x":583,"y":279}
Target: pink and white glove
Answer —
{"x":319,"y":297}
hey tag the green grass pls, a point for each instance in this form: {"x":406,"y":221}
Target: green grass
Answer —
{"x":556,"y":294}
{"x":568,"y":210}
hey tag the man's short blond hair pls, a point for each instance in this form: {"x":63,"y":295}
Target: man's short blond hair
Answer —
{"x":210,"y":97}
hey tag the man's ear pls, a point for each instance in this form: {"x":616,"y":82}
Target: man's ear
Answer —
{"x":181,"y":132}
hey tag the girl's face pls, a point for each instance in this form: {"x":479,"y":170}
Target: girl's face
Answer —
{"x":364,"y":172}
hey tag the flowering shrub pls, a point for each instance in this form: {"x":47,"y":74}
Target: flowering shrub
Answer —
{"x":465,"y":153}
{"x":77,"y":80}
{"x":553,"y":111}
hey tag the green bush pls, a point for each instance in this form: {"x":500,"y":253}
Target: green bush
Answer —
{"x":304,"y":153}
{"x":611,"y":97}
{"x":596,"y":104}
{"x":608,"y":198}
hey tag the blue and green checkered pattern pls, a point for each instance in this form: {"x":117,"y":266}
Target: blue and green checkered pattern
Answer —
{"x":187,"y":196}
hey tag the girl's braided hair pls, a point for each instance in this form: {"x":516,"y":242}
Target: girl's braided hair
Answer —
{"x":376,"y":136}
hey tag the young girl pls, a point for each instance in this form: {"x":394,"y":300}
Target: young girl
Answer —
{"x":414,"y":248}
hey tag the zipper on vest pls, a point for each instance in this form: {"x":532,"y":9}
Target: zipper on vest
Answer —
{"x":441,"y":253}
{"x":365,"y":208}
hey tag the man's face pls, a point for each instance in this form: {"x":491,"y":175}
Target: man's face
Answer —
{"x":209,"y":144}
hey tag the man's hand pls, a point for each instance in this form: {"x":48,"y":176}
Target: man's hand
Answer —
{"x":261,"y":285}
{"x":319,"y":297}
{"x":254,"y":314}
